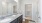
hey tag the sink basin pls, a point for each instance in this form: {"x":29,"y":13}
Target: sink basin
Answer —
{"x":3,"y":17}
{"x":10,"y":18}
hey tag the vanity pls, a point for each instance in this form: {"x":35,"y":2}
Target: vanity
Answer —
{"x":13,"y":19}
{"x":17,"y":20}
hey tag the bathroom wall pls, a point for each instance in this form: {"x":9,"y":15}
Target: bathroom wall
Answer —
{"x":22,"y":6}
{"x":34,"y":8}
{"x":35,"y":12}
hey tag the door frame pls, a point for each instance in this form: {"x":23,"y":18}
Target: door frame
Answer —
{"x":25,"y":8}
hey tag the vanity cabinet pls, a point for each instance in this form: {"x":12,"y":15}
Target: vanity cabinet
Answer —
{"x":17,"y":20}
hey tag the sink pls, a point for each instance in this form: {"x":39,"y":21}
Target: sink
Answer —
{"x":3,"y":17}
{"x":8,"y":19}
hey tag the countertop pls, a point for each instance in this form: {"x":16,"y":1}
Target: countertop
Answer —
{"x":9,"y":19}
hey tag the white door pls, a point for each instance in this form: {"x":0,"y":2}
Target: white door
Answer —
{"x":28,"y":10}
{"x":39,"y":18}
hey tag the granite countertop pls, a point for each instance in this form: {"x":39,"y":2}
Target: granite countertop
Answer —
{"x":9,"y":19}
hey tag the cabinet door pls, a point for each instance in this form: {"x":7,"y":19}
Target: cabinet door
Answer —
{"x":20,"y":19}
{"x":14,"y":21}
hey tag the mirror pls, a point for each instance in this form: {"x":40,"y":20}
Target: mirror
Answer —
{"x":7,"y":7}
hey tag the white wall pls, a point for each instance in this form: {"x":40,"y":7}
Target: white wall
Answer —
{"x":34,"y":7}
{"x":40,"y":11}
{"x":23,"y":2}
{"x":35,"y":16}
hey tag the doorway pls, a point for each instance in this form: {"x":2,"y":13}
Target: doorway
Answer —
{"x":28,"y":10}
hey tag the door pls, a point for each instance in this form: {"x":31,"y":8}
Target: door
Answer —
{"x":39,"y":13}
{"x":28,"y":10}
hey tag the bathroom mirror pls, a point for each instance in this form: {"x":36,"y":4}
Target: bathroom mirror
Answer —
{"x":15,"y":9}
{"x":6,"y":7}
